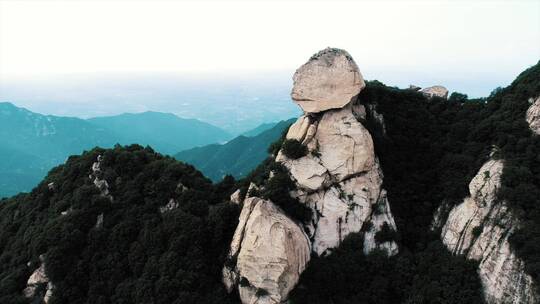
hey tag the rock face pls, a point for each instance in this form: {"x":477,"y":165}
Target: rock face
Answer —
{"x":533,"y":116}
{"x":271,"y":251}
{"x":435,"y":91}
{"x":36,"y":280}
{"x":340,"y":180}
{"x":329,"y":80}
{"x":479,"y":228}
{"x":97,"y":179}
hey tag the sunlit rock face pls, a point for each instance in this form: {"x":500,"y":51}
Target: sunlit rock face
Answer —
{"x":480,"y":228}
{"x":270,"y":250}
{"x":339,"y":179}
{"x":329,"y":80}
{"x":533,"y":115}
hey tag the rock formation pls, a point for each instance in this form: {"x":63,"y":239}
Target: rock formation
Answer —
{"x":533,"y":115}
{"x":329,"y":80}
{"x":37,"y":280}
{"x":340,"y":180}
{"x":435,"y":91}
{"x":271,"y":251}
{"x":98,"y":180}
{"x":479,"y":228}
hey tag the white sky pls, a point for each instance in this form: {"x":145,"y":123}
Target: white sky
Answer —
{"x":451,"y":37}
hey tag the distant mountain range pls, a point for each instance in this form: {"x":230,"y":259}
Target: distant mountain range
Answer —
{"x":165,"y":132}
{"x":237,"y":157}
{"x":259,"y":129}
{"x":31,"y":143}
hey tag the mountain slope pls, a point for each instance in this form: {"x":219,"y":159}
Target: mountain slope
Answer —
{"x":137,"y":253}
{"x":165,"y":132}
{"x":237,"y":157}
{"x":259,"y":129}
{"x":31,"y":144}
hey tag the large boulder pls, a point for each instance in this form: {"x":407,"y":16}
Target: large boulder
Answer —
{"x":480,"y":229}
{"x":435,"y":91}
{"x":533,"y":116}
{"x":268,"y":253}
{"x":329,"y":80}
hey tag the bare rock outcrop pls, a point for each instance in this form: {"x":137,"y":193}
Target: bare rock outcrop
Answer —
{"x":98,"y":180}
{"x":268,"y":253}
{"x":236,"y":197}
{"x":329,"y":80}
{"x":533,"y":116}
{"x":37,"y":280}
{"x":381,"y":216}
{"x":339,"y":179}
{"x":480,"y":228}
{"x":435,"y":91}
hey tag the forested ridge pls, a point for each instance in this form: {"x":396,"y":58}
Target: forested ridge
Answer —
{"x":429,"y":150}
{"x":139,"y":255}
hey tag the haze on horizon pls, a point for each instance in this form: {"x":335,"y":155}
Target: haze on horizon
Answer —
{"x":80,"y":57}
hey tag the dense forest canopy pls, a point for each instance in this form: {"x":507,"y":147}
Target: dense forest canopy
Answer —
{"x":139,"y":255}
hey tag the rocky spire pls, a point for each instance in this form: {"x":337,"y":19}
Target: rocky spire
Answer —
{"x":339,"y":179}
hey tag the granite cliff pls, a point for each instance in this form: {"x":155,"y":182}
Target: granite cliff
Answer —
{"x":338,"y":178}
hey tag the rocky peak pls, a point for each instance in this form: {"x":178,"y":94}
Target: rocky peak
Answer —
{"x":339,"y":179}
{"x":533,"y":115}
{"x":329,"y":80}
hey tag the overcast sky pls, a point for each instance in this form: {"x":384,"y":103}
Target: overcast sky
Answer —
{"x":397,"y":42}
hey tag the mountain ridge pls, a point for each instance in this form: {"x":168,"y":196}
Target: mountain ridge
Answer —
{"x":32,"y":143}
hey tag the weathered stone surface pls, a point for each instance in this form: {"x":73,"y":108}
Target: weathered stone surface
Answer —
{"x":340,"y":179}
{"x":457,"y":233}
{"x":435,"y":91}
{"x":480,"y":228}
{"x":359,"y":111}
{"x":37,"y":278}
{"x":342,"y":145}
{"x":329,"y":80}
{"x":236,"y":197}
{"x":380,"y":216}
{"x":171,"y":205}
{"x":533,"y":116}
{"x":271,"y":251}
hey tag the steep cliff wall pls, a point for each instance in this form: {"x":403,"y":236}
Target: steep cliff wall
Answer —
{"x":338,"y":178}
{"x":479,"y":228}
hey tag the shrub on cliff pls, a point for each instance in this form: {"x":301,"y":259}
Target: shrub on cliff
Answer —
{"x":293,"y":149}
